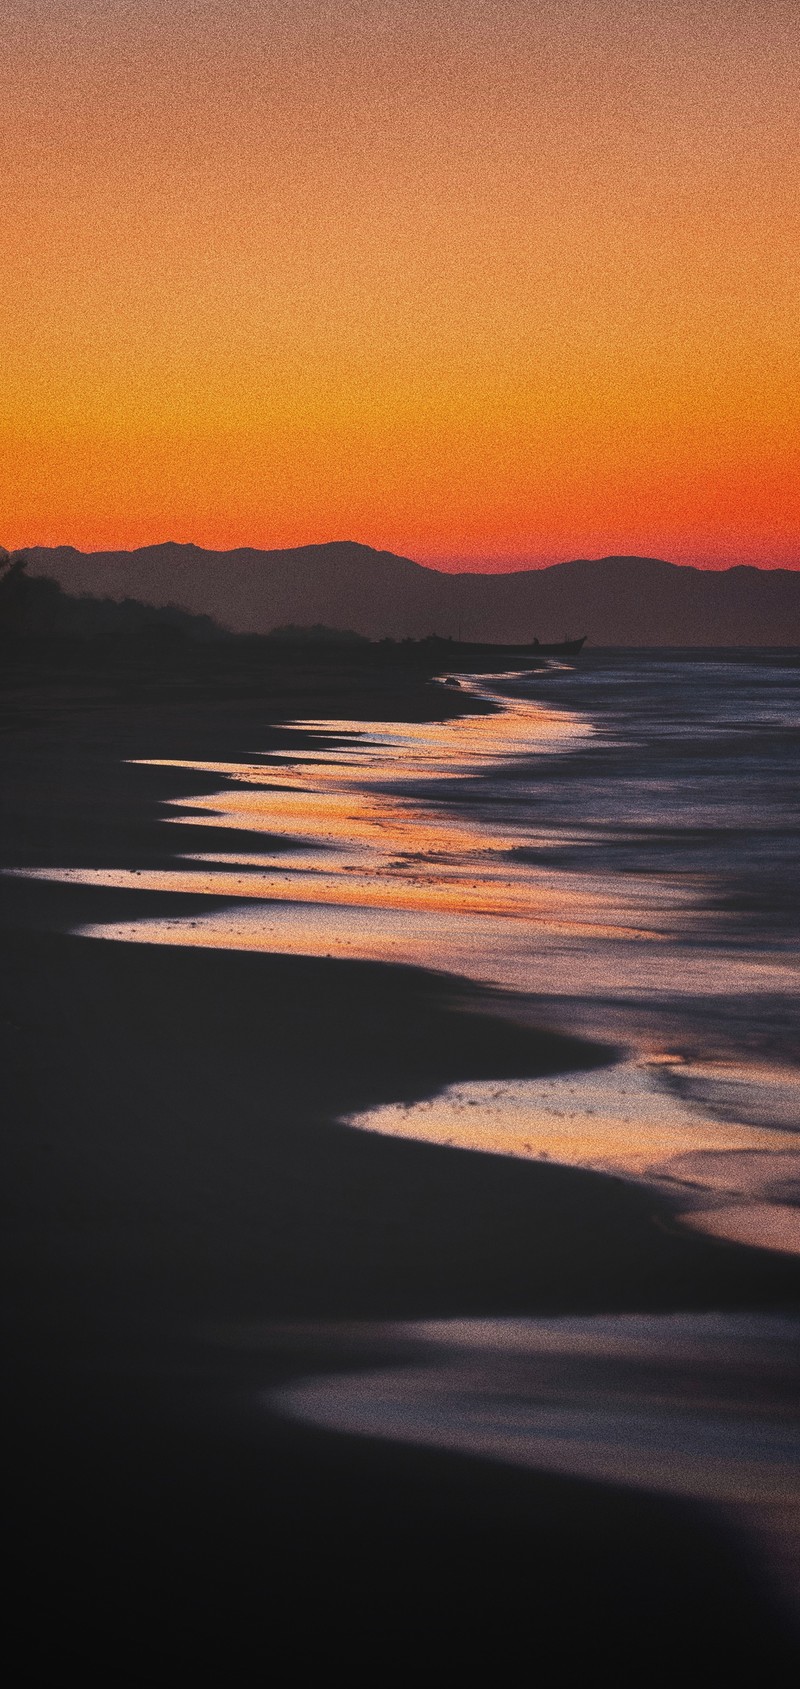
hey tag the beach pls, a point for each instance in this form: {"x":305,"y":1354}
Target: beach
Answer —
{"x":193,"y":1230}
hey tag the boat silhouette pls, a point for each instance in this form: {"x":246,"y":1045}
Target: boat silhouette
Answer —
{"x":459,"y":648}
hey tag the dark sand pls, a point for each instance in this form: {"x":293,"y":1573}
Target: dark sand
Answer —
{"x":175,"y":1185}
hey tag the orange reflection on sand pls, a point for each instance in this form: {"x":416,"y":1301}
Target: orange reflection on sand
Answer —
{"x":729,"y":1177}
{"x":344,"y":792}
{"x":619,"y":1119}
{"x":438,"y":894}
{"x":365,"y":843}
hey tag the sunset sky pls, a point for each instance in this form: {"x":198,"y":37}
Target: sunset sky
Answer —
{"x":487,"y":282}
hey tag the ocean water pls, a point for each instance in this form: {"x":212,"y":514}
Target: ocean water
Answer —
{"x":611,"y":851}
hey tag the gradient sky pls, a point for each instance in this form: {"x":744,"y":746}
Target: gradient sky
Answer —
{"x":488,"y":282}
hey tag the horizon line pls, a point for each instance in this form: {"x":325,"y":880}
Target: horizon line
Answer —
{"x":440,"y":567}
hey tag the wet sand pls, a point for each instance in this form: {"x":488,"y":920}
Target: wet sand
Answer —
{"x":186,"y":1226}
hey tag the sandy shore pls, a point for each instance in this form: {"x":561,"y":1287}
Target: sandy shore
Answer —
{"x":175,"y":1177}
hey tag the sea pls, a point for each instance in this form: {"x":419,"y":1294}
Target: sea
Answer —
{"x":608,"y":846}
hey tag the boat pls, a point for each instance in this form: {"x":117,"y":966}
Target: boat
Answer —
{"x":562,"y":648}
{"x":458,"y":648}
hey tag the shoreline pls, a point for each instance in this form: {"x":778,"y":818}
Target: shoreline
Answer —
{"x":177,"y":1167}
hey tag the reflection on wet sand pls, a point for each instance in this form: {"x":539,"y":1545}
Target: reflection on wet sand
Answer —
{"x":424,"y":843}
{"x":395,"y":889}
{"x":616,"y":869}
{"x":726,"y":1175}
{"x":702,"y":1406}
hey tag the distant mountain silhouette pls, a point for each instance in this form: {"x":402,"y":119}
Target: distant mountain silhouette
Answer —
{"x":615,"y":600}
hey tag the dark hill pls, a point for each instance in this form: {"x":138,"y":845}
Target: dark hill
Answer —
{"x":615,"y":600}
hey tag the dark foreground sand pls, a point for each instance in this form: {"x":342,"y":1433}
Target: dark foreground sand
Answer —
{"x":175,"y":1187}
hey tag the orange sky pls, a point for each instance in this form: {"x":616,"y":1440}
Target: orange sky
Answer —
{"x":489,"y":283}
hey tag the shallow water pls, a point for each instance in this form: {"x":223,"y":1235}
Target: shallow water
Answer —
{"x":699,"y":1406}
{"x":616,"y":842}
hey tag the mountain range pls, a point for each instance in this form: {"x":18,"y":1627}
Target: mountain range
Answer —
{"x":613,"y":600}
